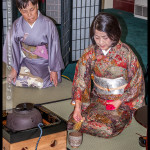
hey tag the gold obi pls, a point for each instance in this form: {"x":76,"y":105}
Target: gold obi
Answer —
{"x":109,"y":86}
{"x":28,"y":51}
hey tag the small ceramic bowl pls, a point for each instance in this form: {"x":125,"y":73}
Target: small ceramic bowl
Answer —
{"x":75,"y":139}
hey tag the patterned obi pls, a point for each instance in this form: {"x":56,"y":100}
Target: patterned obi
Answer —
{"x":34,"y":52}
{"x":109,"y":86}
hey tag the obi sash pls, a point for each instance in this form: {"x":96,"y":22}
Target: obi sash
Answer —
{"x":109,"y":86}
{"x":34,"y":52}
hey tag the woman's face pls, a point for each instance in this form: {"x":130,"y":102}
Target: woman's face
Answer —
{"x":30,"y":13}
{"x":102,"y":40}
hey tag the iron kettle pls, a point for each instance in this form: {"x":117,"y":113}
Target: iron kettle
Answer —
{"x":23,"y":117}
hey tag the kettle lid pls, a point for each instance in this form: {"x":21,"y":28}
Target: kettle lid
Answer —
{"x":24,"y":106}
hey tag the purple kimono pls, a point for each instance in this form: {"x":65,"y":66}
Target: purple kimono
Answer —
{"x":26,"y":43}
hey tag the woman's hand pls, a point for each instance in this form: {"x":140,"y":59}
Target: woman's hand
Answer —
{"x":12,"y":76}
{"x":77,"y":115}
{"x":54,"y":78}
{"x":115,"y":103}
{"x":77,"y":111}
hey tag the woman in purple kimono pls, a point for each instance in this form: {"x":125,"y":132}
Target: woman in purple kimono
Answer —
{"x":118,"y":84}
{"x":35,"y":55}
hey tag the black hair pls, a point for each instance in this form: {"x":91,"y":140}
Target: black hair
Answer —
{"x":107,"y":23}
{"x":23,"y":3}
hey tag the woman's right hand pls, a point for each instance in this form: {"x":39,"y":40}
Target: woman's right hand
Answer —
{"x":12,"y":75}
{"x":77,"y":114}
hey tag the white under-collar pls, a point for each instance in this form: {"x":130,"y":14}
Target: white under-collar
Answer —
{"x":105,"y":52}
{"x":35,"y":21}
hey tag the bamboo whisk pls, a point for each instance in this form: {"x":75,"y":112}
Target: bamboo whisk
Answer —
{"x":77,"y":125}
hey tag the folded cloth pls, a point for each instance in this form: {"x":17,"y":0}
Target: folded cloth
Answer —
{"x":109,"y":106}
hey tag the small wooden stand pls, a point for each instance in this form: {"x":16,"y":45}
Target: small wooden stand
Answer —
{"x":55,"y":141}
{"x":54,"y":135}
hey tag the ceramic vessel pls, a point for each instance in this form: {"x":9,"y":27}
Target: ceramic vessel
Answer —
{"x":75,"y":139}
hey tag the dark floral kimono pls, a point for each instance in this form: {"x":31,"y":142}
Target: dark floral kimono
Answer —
{"x":98,"y":78}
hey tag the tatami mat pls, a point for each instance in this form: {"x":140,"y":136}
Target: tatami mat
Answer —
{"x":35,"y":95}
{"x":127,"y":140}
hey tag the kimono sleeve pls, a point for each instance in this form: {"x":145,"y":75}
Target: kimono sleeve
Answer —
{"x":54,"y":51}
{"x":135,"y":90}
{"x":81,"y":87}
{"x":11,"y":50}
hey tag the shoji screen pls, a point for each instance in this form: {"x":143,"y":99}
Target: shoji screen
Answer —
{"x":60,"y":11}
{"x":53,"y":10}
{"x":83,"y":13}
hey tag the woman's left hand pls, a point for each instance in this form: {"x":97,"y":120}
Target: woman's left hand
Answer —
{"x":115,"y":103}
{"x":54,"y":78}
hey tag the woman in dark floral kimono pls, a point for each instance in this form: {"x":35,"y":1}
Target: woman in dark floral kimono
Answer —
{"x":34,"y":52}
{"x":114,"y":72}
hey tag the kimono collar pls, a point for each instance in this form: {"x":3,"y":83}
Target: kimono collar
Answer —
{"x":111,"y":50}
{"x":105,"y":51}
{"x":100,"y":51}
